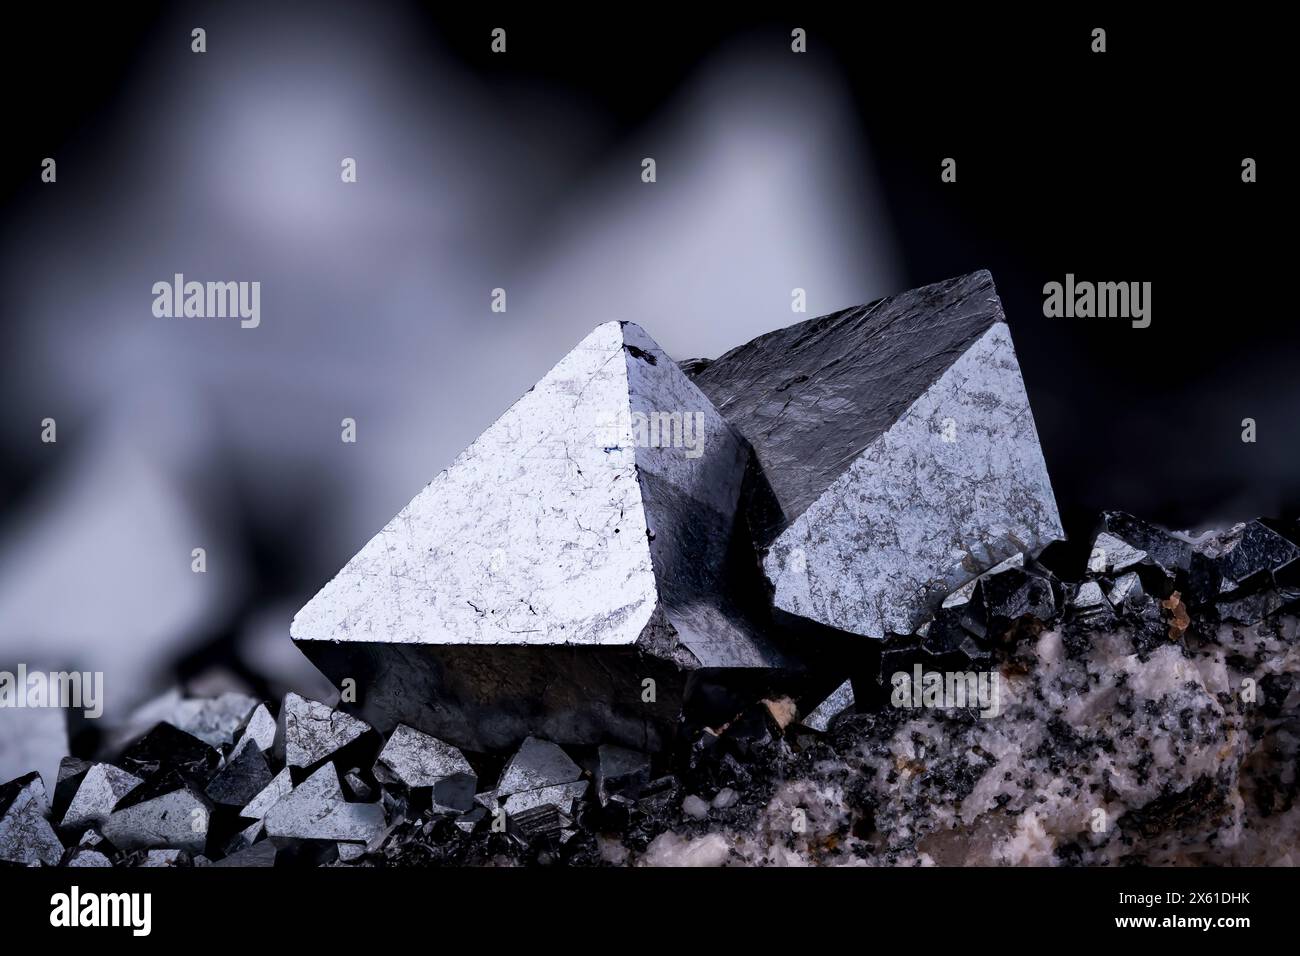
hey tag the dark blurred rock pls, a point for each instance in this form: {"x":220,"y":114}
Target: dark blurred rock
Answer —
{"x":620,"y":771}
{"x":259,"y":855}
{"x":167,"y":748}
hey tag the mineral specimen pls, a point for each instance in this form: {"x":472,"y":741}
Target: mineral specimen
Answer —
{"x":896,"y":451}
{"x":309,"y":732}
{"x":840,"y":700}
{"x":258,"y":732}
{"x":620,"y":772}
{"x":213,"y":721}
{"x":537,"y":763}
{"x":262,"y":803}
{"x":418,"y":762}
{"x":568,"y":575}
{"x":166,"y":811}
{"x":168,"y":748}
{"x":164,"y":858}
{"x":71,"y":772}
{"x":102,"y":786}
{"x":26,"y":837}
{"x":258,"y":855}
{"x":89,"y":858}
{"x":316,"y":810}
{"x":241,"y":779}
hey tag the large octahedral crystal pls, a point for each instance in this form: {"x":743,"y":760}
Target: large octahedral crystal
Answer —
{"x":896,"y":451}
{"x":566,"y":576}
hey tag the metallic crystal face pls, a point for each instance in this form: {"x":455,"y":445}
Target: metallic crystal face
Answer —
{"x":418,"y":760}
{"x":565,"y":522}
{"x":102,"y":787}
{"x":537,"y":764}
{"x":811,"y":397}
{"x":916,"y":515}
{"x":840,"y":700}
{"x":580,"y":546}
{"x":534,"y":535}
{"x":316,"y":810}
{"x":240,"y":780}
{"x":269,"y":796}
{"x":258,"y":732}
{"x":900,"y":453}
{"x":311,"y":731}
{"x":26,"y":837}
{"x":170,"y":814}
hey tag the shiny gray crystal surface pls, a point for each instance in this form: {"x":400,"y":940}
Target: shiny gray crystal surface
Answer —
{"x":214,"y":721}
{"x":258,"y":731}
{"x":269,"y":796}
{"x":311,"y":731}
{"x":578,"y":547}
{"x":840,"y":700}
{"x":171,"y":814}
{"x":26,"y":836}
{"x":316,"y":810}
{"x":418,"y":760}
{"x":898,"y":454}
{"x":101,"y":789}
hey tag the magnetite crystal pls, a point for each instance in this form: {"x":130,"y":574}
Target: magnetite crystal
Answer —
{"x":896,"y":451}
{"x":566,"y":576}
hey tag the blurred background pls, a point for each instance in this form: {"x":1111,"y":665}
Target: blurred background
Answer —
{"x":522,"y":171}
